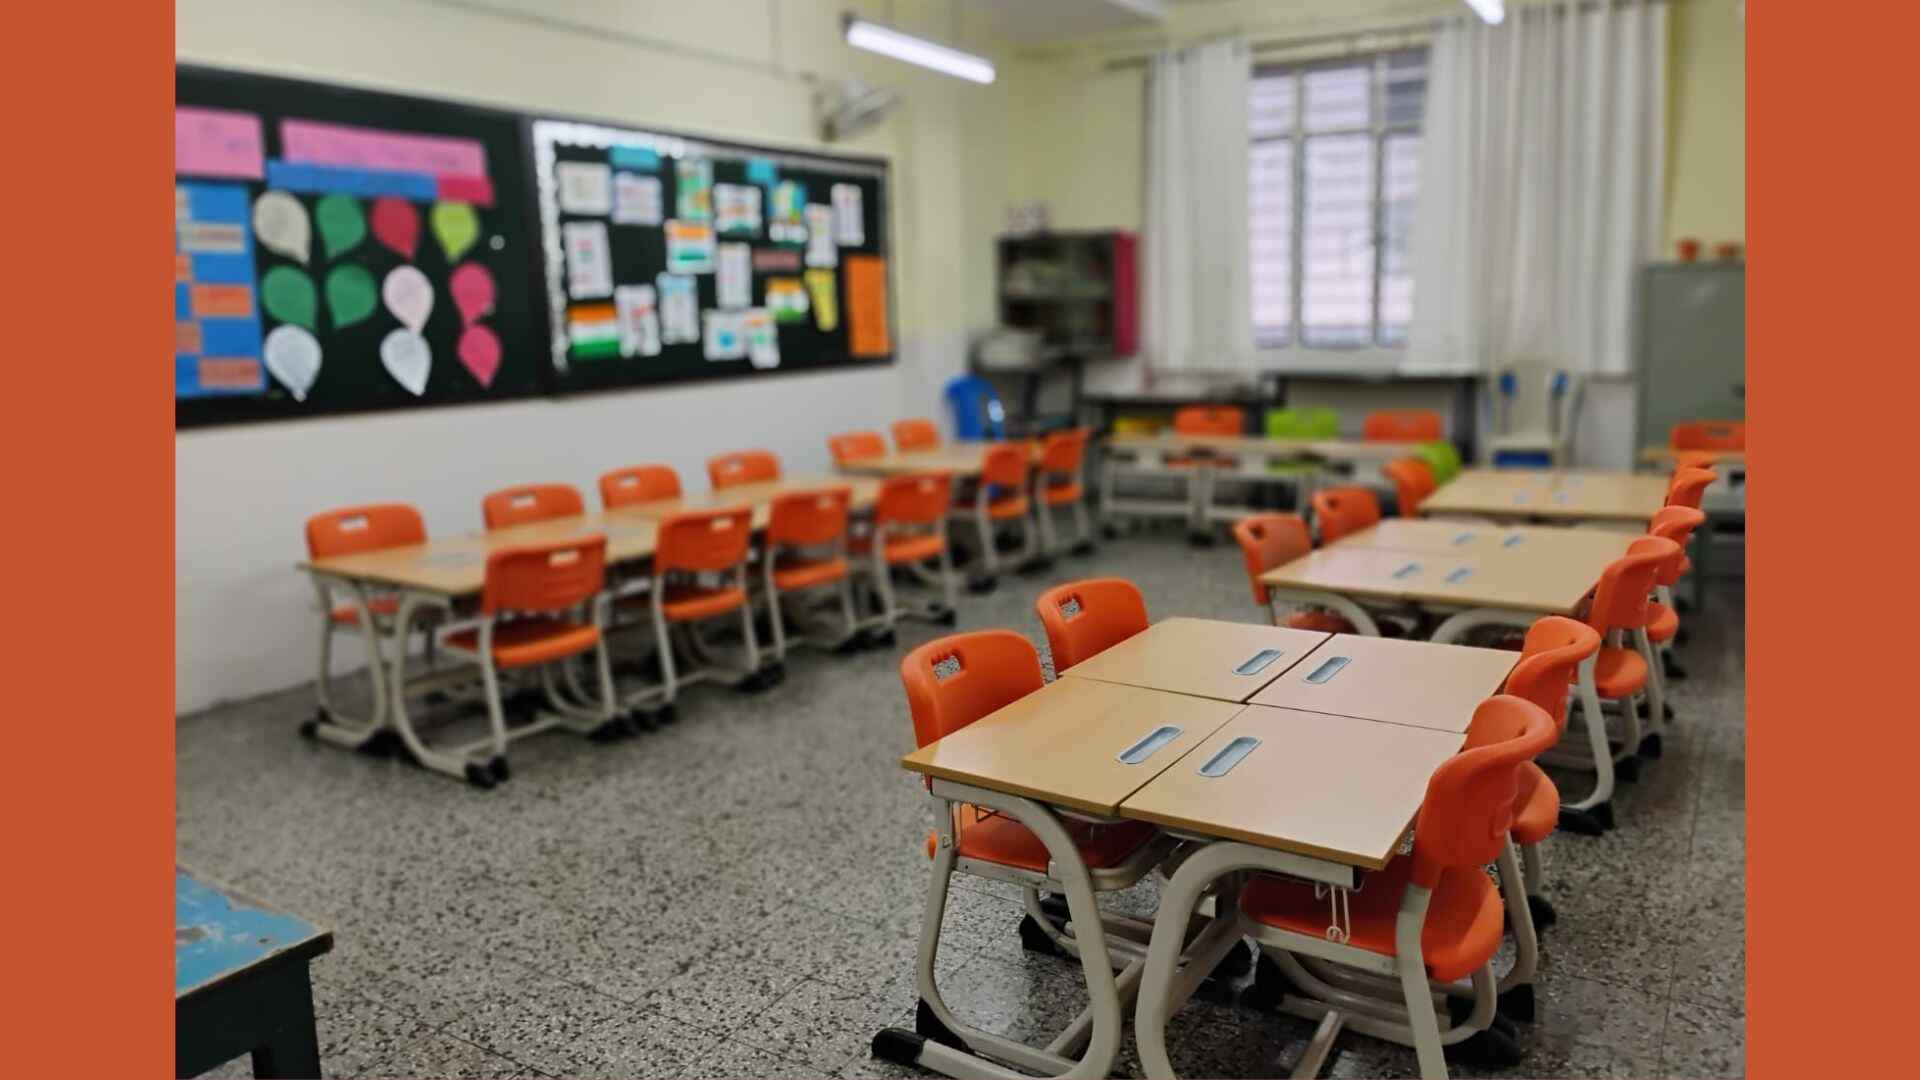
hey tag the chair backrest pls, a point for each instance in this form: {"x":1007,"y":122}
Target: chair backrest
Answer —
{"x":742,"y":467}
{"x":1468,"y":811}
{"x":1004,"y":466}
{"x":1267,"y":541}
{"x":1709,"y":435}
{"x":1316,"y":423}
{"x":530,"y":502}
{"x":1675,"y":523}
{"x":1689,"y":483}
{"x":703,"y":540}
{"x":1401,"y":425}
{"x":955,"y":680}
{"x":1062,"y":451}
{"x":638,"y":484}
{"x":1209,"y":420}
{"x":1620,"y":598}
{"x":1340,"y":511}
{"x":976,"y":408}
{"x":353,"y":529}
{"x":851,"y":446}
{"x":809,"y":518}
{"x":1412,"y":482}
{"x":915,"y":434}
{"x":1442,"y":458}
{"x":1082,"y":618}
{"x":913,"y":499}
{"x":544,"y":577}
{"x":1549,"y":659}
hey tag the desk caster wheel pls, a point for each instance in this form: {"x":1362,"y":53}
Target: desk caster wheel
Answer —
{"x":877,"y":639}
{"x":1651,"y":746}
{"x":636,"y":721}
{"x":928,"y":1026}
{"x":666,"y":714}
{"x":946,"y":617}
{"x":1270,"y":985}
{"x":479,"y":776}
{"x":1672,"y":667}
{"x":1110,"y":532}
{"x":498,"y":767}
{"x":1035,"y":939}
{"x":1200,"y":539}
{"x":898,"y":1045}
{"x":1517,"y":1004}
{"x":1627,"y":769}
{"x":1592,"y":821}
{"x":1055,"y":906}
{"x":1489,"y":1049}
{"x":981,"y":586}
{"x":1236,"y":963}
{"x":310,"y":727}
{"x":611,"y":730}
{"x":1542,"y":911}
{"x":1082,"y":549}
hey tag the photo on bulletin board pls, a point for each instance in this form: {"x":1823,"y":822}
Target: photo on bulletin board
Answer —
{"x":340,"y":250}
{"x":671,"y":257}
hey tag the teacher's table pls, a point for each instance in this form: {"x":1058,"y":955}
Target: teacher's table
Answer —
{"x":241,"y":983}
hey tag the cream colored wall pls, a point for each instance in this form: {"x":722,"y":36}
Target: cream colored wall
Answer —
{"x":1707,"y":127}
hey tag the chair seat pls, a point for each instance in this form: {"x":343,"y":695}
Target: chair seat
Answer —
{"x":1618,"y":672}
{"x":1662,"y":622}
{"x":1537,"y":812}
{"x":1462,"y":930}
{"x":1011,"y":506}
{"x":684,"y":603}
{"x":902,"y":549}
{"x":1324,"y":621}
{"x":1000,"y":839}
{"x":1062,"y":494}
{"x":791,"y":573}
{"x":531,"y":641}
{"x":380,"y":607}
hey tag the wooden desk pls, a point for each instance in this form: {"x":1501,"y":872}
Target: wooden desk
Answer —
{"x":1061,"y":744}
{"x":241,"y":983}
{"x":863,"y":492}
{"x":1393,"y":680}
{"x":962,"y":459}
{"x":1259,"y":446}
{"x":1198,"y":657}
{"x":457,"y":565}
{"x":1471,"y":540}
{"x":1324,"y":786}
{"x":1546,"y":584}
{"x":1550,"y":496}
{"x":1666,"y":456}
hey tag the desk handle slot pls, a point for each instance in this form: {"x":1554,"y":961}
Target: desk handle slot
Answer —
{"x":1230,"y":755}
{"x":1326,"y":671}
{"x":1410,"y":568}
{"x":1149,"y":745}
{"x":1514,"y":540}
{"x":1254,"y":664}
{"x":1460,"y":575}
{"x":1463,"y":538}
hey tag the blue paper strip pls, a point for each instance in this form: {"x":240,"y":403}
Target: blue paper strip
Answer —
{"x":367,"y":183}
{"x":634,"y":157}
{"x":217,"y":269}
{"x":216,"y":202}
{"x":182,"y":301}
{"x":762,"y":171}
{"x":230,"y":337}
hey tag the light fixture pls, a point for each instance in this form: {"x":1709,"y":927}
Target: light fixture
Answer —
{"x":1491,"y":12}
{"x":885,"y":40}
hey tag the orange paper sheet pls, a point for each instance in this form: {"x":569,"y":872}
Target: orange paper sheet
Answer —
{"x":867,"y":334}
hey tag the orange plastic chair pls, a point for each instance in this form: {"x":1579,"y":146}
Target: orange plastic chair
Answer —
{"x":1688,"y":485}
{"x":530,"y":502}
{"x":1401,"y":425}
{"x":909,"y":529}
{"x":1412,"y":481}
{"x":1343,"y":511}
{"x":638,"y":484}
{"x":806,"y":548}
{"x":1001,"y":497}
{"x":699,"y":572}
{"x":742,"y":467}
{"x":1709,"y":435}
{"x":537,"y":609}
{"x":1675,"y":523}
{"x":915,"y":434}
{"x":1209,"y":420}
{"x":352,"y":530}
{"x":1270,"y":540}
{"x":851,"y":446}
{"x":1062,"y":455}
{"x":1435,"y":912}
{"x":1082,"y":618}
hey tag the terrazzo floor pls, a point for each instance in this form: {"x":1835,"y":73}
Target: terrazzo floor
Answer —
{"x":739,"y":894}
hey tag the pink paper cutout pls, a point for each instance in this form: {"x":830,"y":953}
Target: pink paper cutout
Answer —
{"x":370,"y":148}
{"x":217,"y":142}
{"x":396,"y":224}
{"x":472,"y":289}
{"x":480,"y":353}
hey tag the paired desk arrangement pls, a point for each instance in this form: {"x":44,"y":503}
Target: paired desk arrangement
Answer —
{"x":1254,"y":747}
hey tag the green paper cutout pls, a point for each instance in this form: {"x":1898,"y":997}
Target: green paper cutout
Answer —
{"x":456,"y":226}
{"x":351,"y":294}
{"x":341,"y":223}
{"x":288,"y":296}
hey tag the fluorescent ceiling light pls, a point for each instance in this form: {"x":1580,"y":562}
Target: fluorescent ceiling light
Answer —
{"x":887,"y":41}
{"x":1490,"y":11}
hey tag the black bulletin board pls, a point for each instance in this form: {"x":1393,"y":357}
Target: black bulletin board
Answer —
{"x":599,"y":333}
{"x":232,"y":147}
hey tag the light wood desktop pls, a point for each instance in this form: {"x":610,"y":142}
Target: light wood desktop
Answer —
{"x":1550,"y":495}
{"x":1199,"y":657}
{"x":457,"y":565}
{"x":1473,"y":540}
{"x":1667,"y":456}
{"x":1393,"y":680}
{"x":862,"y":493}
{"x":1541,"y":584}
{"x":1256,"y":446}
{"x":1062,"y":744}
{"x":1325,"y":786}
{"x":962,"y":459}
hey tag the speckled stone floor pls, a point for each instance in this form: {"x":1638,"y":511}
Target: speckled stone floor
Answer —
{"x":738,"y":895}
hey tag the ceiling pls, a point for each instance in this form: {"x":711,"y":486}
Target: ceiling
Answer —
{"x":1037,"y":20}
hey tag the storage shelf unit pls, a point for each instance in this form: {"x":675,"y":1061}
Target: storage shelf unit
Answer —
{"x":1077,"y":289}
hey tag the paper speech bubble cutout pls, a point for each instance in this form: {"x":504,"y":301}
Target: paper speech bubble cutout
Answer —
{"x":351,"y":295}
{"x":396,"y":224}
{"x":340,"y":223}
{"x":480,"y":353}
{"x":281,"y":224}
{"x":409,"y":295}
{"x":288,"y":296}
{"x":456,"y":226}
{"x":293,"y":358}
{"x":472,"y":288}
{"x":408,"y":359}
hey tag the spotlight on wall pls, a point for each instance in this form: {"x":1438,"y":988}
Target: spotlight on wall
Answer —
{"x":885,"y":40}
{"x":1490,"y":11}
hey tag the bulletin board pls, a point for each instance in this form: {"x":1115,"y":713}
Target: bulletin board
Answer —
{"x":339,"y":250}
{"x":670,"y":257}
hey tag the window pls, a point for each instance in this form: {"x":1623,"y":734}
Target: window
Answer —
{"x":1335,"y":175}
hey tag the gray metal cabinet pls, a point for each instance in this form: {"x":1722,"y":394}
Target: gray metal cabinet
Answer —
{"x":1690,"y":335}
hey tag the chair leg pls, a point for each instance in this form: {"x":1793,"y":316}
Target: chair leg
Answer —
{"x":777,"y":620}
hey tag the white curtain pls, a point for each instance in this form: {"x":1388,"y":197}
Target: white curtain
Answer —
{"x":1543,"y":162}
{"x":1196,"y":304}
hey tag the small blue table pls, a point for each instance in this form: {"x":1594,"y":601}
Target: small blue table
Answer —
{"x":241,"y":983}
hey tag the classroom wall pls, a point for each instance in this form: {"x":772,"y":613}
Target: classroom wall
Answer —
{"x":243,"y":623}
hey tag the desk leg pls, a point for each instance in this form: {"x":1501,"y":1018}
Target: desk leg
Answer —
{"x":293,"y":1048}
{"x":268,"y":1013}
